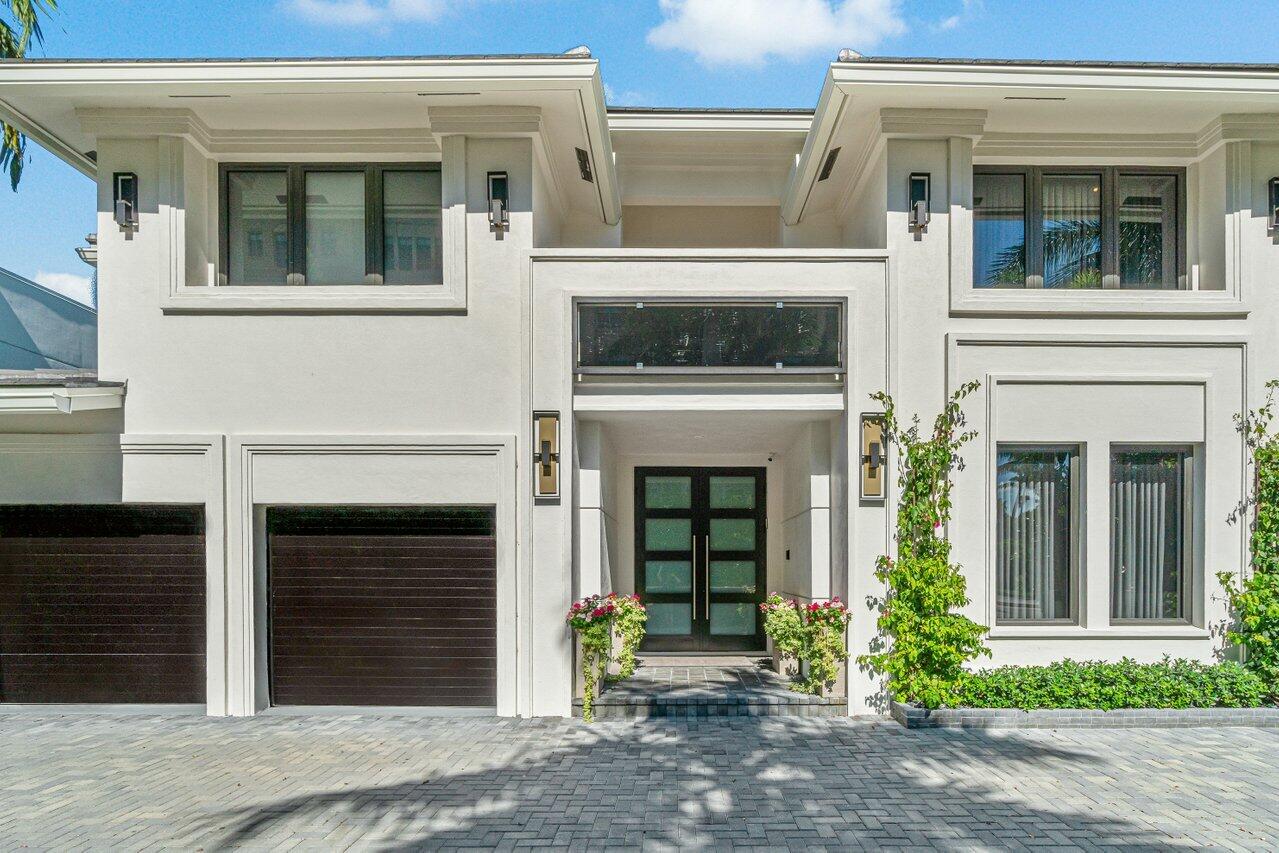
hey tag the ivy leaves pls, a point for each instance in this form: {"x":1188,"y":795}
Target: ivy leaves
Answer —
{"x":924,"y":644}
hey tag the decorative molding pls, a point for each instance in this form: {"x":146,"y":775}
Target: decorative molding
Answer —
{"x":1238,"y":127}
{"x":1238,"y":213}
{"x":931,"y":123}
{"x":1129,"y":147}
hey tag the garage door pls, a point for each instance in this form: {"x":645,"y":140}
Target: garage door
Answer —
{"x":383,"y":606}
{"x":102,"y":604}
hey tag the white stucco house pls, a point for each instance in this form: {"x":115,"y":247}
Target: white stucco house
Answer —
{"x":399,"y":356}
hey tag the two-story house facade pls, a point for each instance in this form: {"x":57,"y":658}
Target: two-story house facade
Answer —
{"x":398,"y":357}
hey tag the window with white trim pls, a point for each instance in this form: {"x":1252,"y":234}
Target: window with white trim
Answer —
{"x":1150,"y":513}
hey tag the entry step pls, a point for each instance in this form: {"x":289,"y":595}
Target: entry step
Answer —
{"x":708,"y":687}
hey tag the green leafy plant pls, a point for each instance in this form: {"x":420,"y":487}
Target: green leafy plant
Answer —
{"x":823,"y":645}
{"x":628,"y":623}
{"x":783,"y":624}
{"x":592,"y":620}
{"x":923,"y":645}
{"x":1254,"y":598}
{"x":814,"y":633}
{"x":1106,"y":686}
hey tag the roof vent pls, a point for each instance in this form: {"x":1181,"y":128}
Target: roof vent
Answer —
{"x":584,"y":165}
{"x":849,"y":55}
{"x":581,"y":50}
{"x":829,"y":165}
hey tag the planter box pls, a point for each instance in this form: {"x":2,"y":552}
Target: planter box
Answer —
{"x":784,"y":663}
{"x":579,"y":683}
{"x":914,"y":717}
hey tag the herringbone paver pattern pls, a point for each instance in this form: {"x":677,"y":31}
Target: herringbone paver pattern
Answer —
{"x":321,"y":783}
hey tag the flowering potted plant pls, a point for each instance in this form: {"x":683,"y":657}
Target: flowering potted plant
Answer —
{"x":784,"y":628}
{"x":825,"y":648}
{"x":628,"y":632}
{"x":592,"y":620}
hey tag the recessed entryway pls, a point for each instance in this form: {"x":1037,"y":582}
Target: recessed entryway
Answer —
{"x":700,"y":556}
{"x":102,"y":604}
{"x":382,"y":606}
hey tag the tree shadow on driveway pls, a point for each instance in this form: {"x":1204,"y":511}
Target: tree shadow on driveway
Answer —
{"x":773,"y":782}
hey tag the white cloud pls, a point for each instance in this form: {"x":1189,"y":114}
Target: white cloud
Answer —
{"x":970,"y":8}
{"x":77,"y":287}
{"x":346,"y":13}
{"x":747,"y":32}
{"x":627,"y":98}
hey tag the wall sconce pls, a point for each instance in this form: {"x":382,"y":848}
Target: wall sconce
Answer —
{"x":1274,"y":204}
{"x":124,"y":188}
{"x":920,"y":200}
{"x":873,"y":459}
{"x":499,"y":202}
{"x":546,"y":454}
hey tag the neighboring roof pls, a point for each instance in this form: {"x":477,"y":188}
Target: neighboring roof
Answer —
{"x":55,"y":379}
{"x":212,"y":60}
{"x":44,"y":330}
{"x":798,"y":111}
{"x":1264,"y":67}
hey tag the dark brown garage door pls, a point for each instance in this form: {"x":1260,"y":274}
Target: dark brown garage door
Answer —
{"x":383,"y":606}
{"x":102,"y":604}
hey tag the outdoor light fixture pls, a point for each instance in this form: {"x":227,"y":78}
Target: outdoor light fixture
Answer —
{"x":1274,"y":204}
{"x":499,"y":203}
{"x":873,"y":458}
{"x":920,"y":201}
{"x":125,"y":196}
{"x":546,"y":454}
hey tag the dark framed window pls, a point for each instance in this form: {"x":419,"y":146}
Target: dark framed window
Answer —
{"x":710,"y":337}
{"x":330,"y":224}
{"x":1151,"y":501}
{"x":1079,"y":228}
{"x":1037,"y":534}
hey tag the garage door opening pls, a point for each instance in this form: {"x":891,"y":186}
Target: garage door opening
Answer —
{"x":382,"y":606}
{"x":102,"y":604}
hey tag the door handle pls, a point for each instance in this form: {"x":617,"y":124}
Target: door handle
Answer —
{"x":706,"y":563}
{"x":693,"y":567}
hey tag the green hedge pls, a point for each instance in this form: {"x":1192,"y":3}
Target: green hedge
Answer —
{"x":1106,"y":686}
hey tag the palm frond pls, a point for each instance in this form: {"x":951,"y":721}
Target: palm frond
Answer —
{"x":16,"y":35}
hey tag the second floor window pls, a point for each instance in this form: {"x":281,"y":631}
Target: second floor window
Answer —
{"x":1078,"y":228}
{"x":341,"y":224}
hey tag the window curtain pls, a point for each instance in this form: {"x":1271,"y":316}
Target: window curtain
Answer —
{"x":1033,"y":533}
{"x":1146,"y":534}
{"x":1072,"y":231}
{"x":999,"y":230}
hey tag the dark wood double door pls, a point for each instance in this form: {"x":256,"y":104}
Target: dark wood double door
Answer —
{"x":700,"y":557}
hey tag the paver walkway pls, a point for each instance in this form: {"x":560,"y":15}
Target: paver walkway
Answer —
{"x":402,"y":783}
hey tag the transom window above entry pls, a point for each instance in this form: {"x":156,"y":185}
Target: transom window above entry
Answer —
{"x":709,"y":337}
{"x":1080,"y":228}
{"x":331,"y":224}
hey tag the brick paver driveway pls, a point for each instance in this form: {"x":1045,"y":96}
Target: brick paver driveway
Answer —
{"x":392,"y":783}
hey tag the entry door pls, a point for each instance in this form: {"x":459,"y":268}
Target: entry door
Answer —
{"x":700,"y":551}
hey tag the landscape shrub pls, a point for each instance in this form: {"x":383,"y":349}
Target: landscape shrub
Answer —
{"x":1107,"y":686}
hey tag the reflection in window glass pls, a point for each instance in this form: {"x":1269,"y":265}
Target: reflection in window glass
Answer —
{"x":1148,"y":231}
{"x":335,"y":228}
{"x":759,"y":335}
{"x":1147,"y":533}
{"x":668,"y":576}
{"x":1072,"y":231}
{"x":667,"y":619}
{"x":1033,"y":533}
{"x":732,"y":619}
{"x":411,"y":228}
{"x":257,"y":228}
{"x":999,"y":230}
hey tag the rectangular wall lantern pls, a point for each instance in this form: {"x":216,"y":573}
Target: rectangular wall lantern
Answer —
{"x":546,"y":454}
{"x":920,"y":200}
{"x":874,"y":468}
{"x":124,"y":187}
{"x":1274,"y":204}
{"x":499,"y":202}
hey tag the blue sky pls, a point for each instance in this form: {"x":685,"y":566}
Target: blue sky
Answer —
{"x":652,"y":52}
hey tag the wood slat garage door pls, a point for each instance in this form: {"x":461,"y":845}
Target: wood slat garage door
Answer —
{"x":102,"y":604}
{"x":383,"y":606}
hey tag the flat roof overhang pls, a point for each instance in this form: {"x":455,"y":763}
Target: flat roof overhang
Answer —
{"x":1174,"y":111}
{"x":49,"y":100}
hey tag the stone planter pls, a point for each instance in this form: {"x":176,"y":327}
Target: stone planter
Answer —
{"x":839,"y":688}
{"x":915,"y":717}
{"x":784,"y":663}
